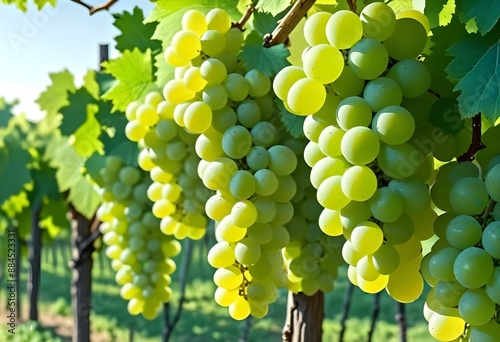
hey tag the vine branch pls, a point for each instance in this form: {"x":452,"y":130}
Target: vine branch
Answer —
{"x":352,"y":5}
{"x":288,"y":23}
{"x":94,"y":9}
{"x":244,"y":18}
{"x":476,"y":143}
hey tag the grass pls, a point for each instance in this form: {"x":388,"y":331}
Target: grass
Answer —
{"x":202,"y":319}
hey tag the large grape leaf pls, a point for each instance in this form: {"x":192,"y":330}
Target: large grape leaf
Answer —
{"x":53,"y":217}
{"x":86,"y":137}
{"x":485,"y":13}
{"x":265,"y":22}
{"x":293,"y":123}
{"x":90,"y":84}
{"x":272,"y":6}
{"x":84,"y":197}
{"x":75,"y":114}
{"x":133,"y":72}
{"x":14,"y":173}
{"x":479,"y":86}
{"x":135,"y":33}
{"x":269,"y":61}
{"x":56,"y":95}
{"x":45,"y":184}
{"x":466,"y":53}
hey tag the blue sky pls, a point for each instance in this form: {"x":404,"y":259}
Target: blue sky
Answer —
{"x":36,"y":43}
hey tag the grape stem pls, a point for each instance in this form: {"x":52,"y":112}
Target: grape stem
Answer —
{"x":244,"y":18}
{"x":288,"y":23}
{"x":476,"y":143}
{"x":487,"y":212}
{"x":352,"y":5}
{"x":94,"y":9}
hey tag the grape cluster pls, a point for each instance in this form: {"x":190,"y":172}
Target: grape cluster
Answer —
{"x":169,"y":156}
{"x":140,"y":253}
{"x":312,"y":258}
{"x":359,"y":85}
{"x":230,"y":113}
{"x":463,"y":265}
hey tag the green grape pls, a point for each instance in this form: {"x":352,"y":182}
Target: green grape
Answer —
{"x":354,"y":213}
{"x":282,"y":160}
{"x":412,"y":76}
{"x":379,"y":21}
{"x":229,"y":277}
{"x":213,"y":42}
{"x":146,"y":115}
{"x":313,"y":127}
{"x":373,"y":286}
{"x":415,"y":195}
{"x":306,"y":96}
{"x":223,"y":118}
{"x":131,"y":110}
{"x":367,"y":237}
{"x":399,"y":231}
{"x":323,"y":63}
{"x":218,"y":174}
{"x":177,"y":151}
{"x":236,"y":86}
{"x":286,"y":189}
{"x":247,"y":251}
{"x":135,"y":131}
{"x":360,"y":145}
{"x":473,"y":267}
{"x":393,"y":125}
{"x":492,"y":182}
{"x":257,"y":158}
{"x":166,"y":130}
{"x":488,"y":332}
{"x":209,"y":148}
{"x":382,"y":92}
{"x":398,"y":161}
{"x":330,"y":193}
{"x":198,"y":117}
{"x":368,"y":59}
{"x":446,"y":327}
{"x":350,"y":254}
{"x":347,"y":84}
{"x":266,"y":182}
{"x":353,"y":111}
{"x":172,"y":58}
{"x":344,"y":29}
{"x":218,"y":19}
{"x":242,"y":185}
{"x":258,"y":83}
{"x":448,"y":293}
{"x":193,"y":80}
{"x":176,"y":92}
{"x":221,"y":255}
{"x":475,"y":307}
{"x":491,"y":239}
{"x":329,"y":141}
{"x":129,"y":175}
{"x":386,"y":204}
{"x":312,"y":153}
{"x":493,"y":285}
{"x":284,"y":80}
{"x":408,"y":39}
{"x":218,"y":207}
{"x":417,"y":15}
{"x":329,"y":222}
{"x":186,"y":44}
{"x":359,"y":183}
{"x":213,"y":71}
{"x":248,"y":113}
{"x":385,"y":259}
{"x":463,"y":232}
{"x":419,"y":107}
{"x":325,"y":168}
{"x":405,"y":285}
{"x":469,"y":196}
{"x":236,"y":142}
{"x":264,"y":134}
{"x":234,"y":40}
{"x":215,"y":96}
{"x":366,"y":269}
{"x":194,"y":20}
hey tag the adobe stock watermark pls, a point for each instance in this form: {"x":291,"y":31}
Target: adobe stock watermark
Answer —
{"x":11,"y":282}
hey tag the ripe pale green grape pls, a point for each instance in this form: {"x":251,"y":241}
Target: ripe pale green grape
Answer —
{"x":286,"y":189}
{"x":176,"y":92}
{"x":218,"y":174}
{"x":218,"y":19}
{"x":213,"y":42}
{"x":469,"y":196}
{"x":312,"y":153}
{"x":405,"y":285}
{"x":209,"y":148}
{"x":492,"y":182}
{"x":226,"y":230}
{"x":193,"y":80}
{"x":382,"y":92}
{"x":414,"y":194}
{"x":360,"y":145}
{"x":327,"y":167}
{"x":186,"y":44}
{"x":386,"y":204}
{"x":284,"y":80}
{"x":378,"y":20}
{"x":236,"y":142}
{"x":259,"y":84}
{"x":473,"y":267}
{"x":218,"y":207}
{"x":306,"y":96}
{"x":353,"y":111}
{"x":329,"y":222}
{"x":225,"y":297}
{"x":198,"y":117}
{"x":475,"y":307}
{"x":221,"y":255}
{"x":350,"y":254}
{"x":366,"y":269}
{"x":398,"y":161}
{"x":373,"y":286}
{"x":344,"y":29}
{"x":313,"y":127}
{"x":491,"y":239}
{"x":417,"y":15}
{"x":412,"y":76}
{"x":236,"y":86}
{"x":266,"y":182}
{"x":330,"y":193}
{"x":213,"y":71}
{"x":368,"y":59}
{"x":215,"y":96}
{"x":385,"y":259}
{"x":348,"y":84}
{"x":463,"y":231}
{"x":359,"y":183}
{"x":399,"y":231}
{"x":393,"y":125}
{"x":329,"y":141}
{"x":282,"y":160}
{"x":323,"y":63}
{"x":248,"y":113}
{"x":239,"y":309}
{"x":194,"y":20}
{"x":172,"y":58}
{"x":354,"y":213}
{"x":488,"y":332}
{"x":446,"y":327}
{"x":146,"y":114}
{"x":228,"y":277}
{"x":315,"y":28}
{"x":135,"y":131}
{"x":257,"y":158}
{"x":367,"y":237}
{"x":408,"y":39}
{"x":223,"y":118}
{"x":264,"y":134}
{"x":234,"y":40}
{"x":247,"y":251}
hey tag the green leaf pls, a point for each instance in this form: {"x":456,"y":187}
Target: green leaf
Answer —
{"x":75,"y":114}
{"x":5,"y":112}
{"x":105,"y":82}
{"x":14,"y":173}
{"x":485,"y":13}
{"x":266,"y":22}
{"x":433,"y":9}
{"x":293,"y":123}
{"x":94,"y":165}
{"x":56,"y":94}
{"x":45,"y":184}
{"x":445,"y":115}
{"x":272,"y":6}
{"x":164,"y":71}
{"x":84,"y":197}
{"x":53,"y":217}
{"x":133,"y":72}
{"x":479,"y":87}
{"x":135,"y":34}
{"x":467,"y":54}
{"x":269,"y":61}
{"x":90,"y":83}
{"x":86,"y":138}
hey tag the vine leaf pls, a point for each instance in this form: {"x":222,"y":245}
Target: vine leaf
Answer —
{"x":75,"y":114}
{"x":485,"y":13}
{"x":479,"y":86}
{"x":164,"y":71}
{"x":134,"y":33}
{"x":86,"y":137}
{"x":133,"y":72}
{"x":269,"y":61}
{"x":5,"y":112}
{"x":293,"y":123}
{"x":14,"y":172}
{"x":53,"y":217}
{"x":45,"y":184}
{"x":272,"y":6}
{"x":55,"y":96}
